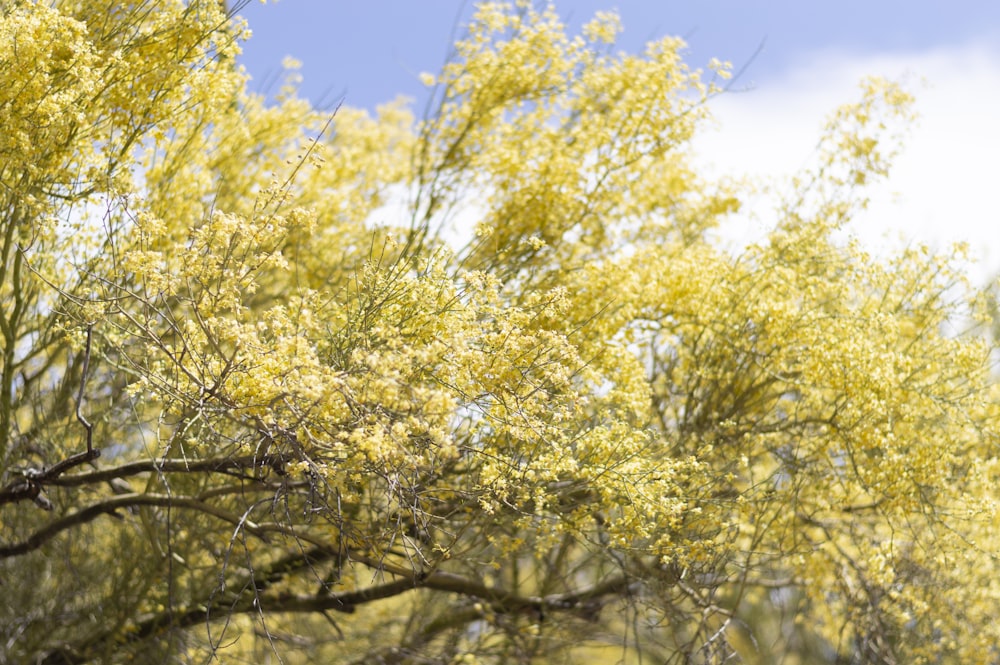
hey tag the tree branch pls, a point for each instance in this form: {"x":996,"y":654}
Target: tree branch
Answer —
{"x":216,"y":465}
{"x":34,"y":480}
{"x":501,"y":601}
{"x":110,"y":505}
{"x":79,"y":396}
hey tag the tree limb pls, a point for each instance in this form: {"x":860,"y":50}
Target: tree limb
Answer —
{"x":34,"y":480}
{"x":110,"y":505}
{"x":501,"y":600}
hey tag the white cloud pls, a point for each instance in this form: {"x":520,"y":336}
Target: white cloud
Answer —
{"x":942,"y":187}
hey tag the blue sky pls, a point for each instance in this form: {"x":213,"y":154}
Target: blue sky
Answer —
{"x":370,"y":51}
{"x":814,"y":52}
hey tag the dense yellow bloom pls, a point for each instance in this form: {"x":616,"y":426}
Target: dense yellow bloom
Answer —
{"x":577,"y":423}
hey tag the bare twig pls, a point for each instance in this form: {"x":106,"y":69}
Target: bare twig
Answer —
{"x":32,"y":481}
{"x":79,"y":396}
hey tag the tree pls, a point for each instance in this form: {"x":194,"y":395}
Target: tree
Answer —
{"x":247,"y":411}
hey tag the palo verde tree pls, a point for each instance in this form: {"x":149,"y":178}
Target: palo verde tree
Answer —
{"x":249,"y":411}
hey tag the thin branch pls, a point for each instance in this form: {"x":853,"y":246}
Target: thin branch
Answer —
{"x":111,"y":505}
{"x":32,"y":481}
{"x":216,"y":465}
{"x":79,"y":396}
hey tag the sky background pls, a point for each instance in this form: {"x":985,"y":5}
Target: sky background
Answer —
{"x":802,"y":59}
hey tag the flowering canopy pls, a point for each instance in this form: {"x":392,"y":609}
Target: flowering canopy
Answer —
{"x":265,"y":390}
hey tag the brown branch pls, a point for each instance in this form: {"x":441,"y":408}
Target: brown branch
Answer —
{"x":113,"y":504}
{"x":79,"y":395}
{"x":501,"y":601}
{"x":34,"y":480}
{"x":212,"y":465}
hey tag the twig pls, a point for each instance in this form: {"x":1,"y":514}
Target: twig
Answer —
{"x":79,"y":396}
